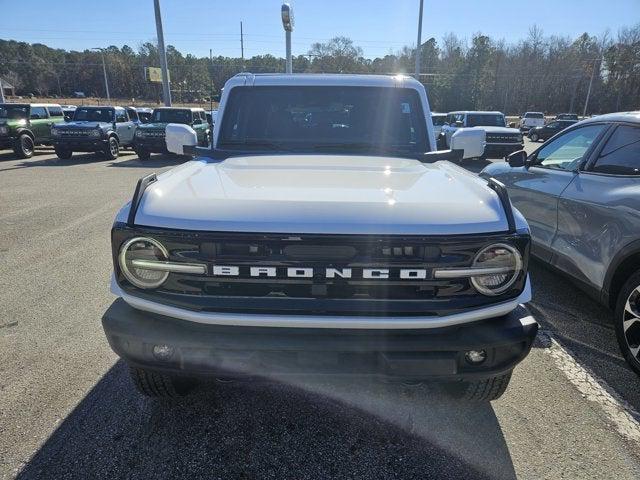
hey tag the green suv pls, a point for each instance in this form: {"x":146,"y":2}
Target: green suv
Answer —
{"x":149,"y":137}
{"x":23,"y":126}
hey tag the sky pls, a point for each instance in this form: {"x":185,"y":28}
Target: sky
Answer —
{"x":378,"y":27}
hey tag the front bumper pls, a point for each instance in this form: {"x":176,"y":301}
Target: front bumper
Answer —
{"x":82,"y":144}
{"x":500,"y":150}
{"x":158,"y":145}
{"x":394,"y":354}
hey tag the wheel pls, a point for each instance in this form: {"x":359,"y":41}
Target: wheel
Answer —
{"x":627,"y":321}
{"x":63,"y":153}
{"x":157,"y":384}
{"x":534,"y":137}
{"x":484,"y":390}
{"x":143,"y":154}
{"x":24,"y":145}
{"x":112,"y":149}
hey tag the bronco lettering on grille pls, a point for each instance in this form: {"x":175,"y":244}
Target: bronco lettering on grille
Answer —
{"x":308,"y":272}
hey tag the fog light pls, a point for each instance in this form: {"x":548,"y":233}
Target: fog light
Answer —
{"x":475,"y":357}
{"x":162,"y":351}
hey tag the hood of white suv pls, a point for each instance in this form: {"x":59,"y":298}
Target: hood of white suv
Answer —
{"x":321,"y":194}
{"x":499,"y":129}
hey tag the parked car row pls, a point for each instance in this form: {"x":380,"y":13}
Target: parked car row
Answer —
{"x":580,"y":194}
{"x":104,"y":129}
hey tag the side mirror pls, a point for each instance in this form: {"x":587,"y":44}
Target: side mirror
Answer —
{"x":178,"y":136}
{"x":471,"y":140}
{"x":512,"y":125}
{"x":459,"y":124}
{"x":517,"y":159}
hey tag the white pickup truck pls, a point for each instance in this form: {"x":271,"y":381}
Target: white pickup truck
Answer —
{"x":531,"y":120}
{"x":321,"y":234}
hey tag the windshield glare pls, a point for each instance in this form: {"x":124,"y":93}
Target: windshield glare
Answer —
{"x":172,"y":116}
{"x":316,"y":117}
{"x":14,"y":112}
{"x":485,"y":120}
{"x":93,"y":114}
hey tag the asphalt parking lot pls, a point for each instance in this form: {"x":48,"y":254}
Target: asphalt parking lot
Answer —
{"x":68,"y":410}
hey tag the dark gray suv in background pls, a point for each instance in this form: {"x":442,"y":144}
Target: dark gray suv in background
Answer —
{"x":580,"y":193}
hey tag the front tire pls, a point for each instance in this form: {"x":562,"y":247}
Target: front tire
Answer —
{"x":112,"y":150}
{"x":63,"y":153}
{"x":24,"y":146}
{"x":480,"y":391}
{"x":534,"y":137}
{"x":160,"y":385}
{"x":143,"y":154}
{"x":627,"y":321}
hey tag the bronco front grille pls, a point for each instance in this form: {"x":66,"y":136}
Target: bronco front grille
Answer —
{"x":74,"y":133}
{"x":339,"y":274}
{"x":498,"y":138}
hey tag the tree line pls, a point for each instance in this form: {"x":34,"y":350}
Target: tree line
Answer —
{"x":542,"y":73}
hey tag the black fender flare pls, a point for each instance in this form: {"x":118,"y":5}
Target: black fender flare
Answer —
{"x":24,"y":130}
{"x":618,"y":272}
{"x":112,"y":133}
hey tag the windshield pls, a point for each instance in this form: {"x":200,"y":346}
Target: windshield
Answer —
{"x":485,"y":120}
{"x":165,"y":115}
{"x":13,"y":112}
{"x":320,"y":118}
{"x":93,"y":114}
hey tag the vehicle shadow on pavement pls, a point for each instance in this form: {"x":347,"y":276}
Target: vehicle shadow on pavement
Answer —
{"x":10,"y":155}
{"x":241,"y":430}
{"x":583,"y":326}
{"x":77,"y":159}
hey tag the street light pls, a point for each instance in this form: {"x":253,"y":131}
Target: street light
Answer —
{"x":287,"y":23}
{"x":104,"y":71}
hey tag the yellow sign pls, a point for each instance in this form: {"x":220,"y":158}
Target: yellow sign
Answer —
{"x":154,"y":74}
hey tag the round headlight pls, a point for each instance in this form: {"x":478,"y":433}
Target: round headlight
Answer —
{"x":95,"y":132}
{"x":55,"y":132}
{"x":3,"y":130}
{"x":139,"y":133}
{"x":141,"y":248}
{"x":502,"y":264}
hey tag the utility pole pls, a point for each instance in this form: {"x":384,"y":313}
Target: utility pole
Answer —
{"x":586,"y":101}
{"x":242,"y":46}
{"x":162,"y":53}
{"x":1,"y":92}
{"x":419,"y":43}
{"x":287,"y":22}
{"x":104,"y":72}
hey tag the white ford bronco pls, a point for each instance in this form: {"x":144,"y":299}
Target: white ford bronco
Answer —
{"x":321,"y":234}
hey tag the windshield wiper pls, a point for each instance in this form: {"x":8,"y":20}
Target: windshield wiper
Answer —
{"x":256,"y":143}
{"x":363,"y":146}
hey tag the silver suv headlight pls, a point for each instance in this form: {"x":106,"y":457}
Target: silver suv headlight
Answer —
{"x":4,"y":130}
{"x":145,"y":263}
{"x":141,"y":252}
{"x":498,"y":267}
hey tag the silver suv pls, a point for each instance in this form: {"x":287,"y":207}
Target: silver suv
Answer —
{"x":580,"y":193}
